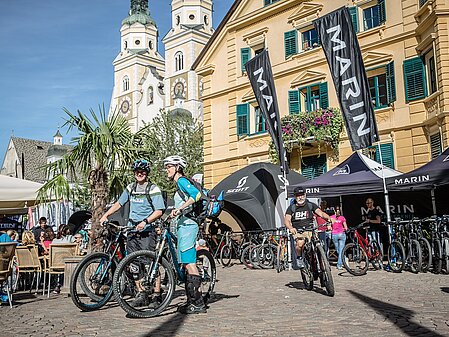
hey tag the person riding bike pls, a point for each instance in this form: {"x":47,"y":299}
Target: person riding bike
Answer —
{"x":146,"y":205}
{"x":187,"y":230}
{"x":300,"y":215}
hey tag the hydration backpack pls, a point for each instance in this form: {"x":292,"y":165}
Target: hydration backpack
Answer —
{"x":132,"y":188}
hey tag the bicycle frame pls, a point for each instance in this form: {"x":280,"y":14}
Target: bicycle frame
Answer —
{"x":363,"y":243}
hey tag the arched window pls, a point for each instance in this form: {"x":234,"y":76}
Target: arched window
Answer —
{"x":150,"y":97}
{"x":126,"y":45}
{"x":178,"y":20}
{"x":150,"y":44}
{"x":125,"y":83}
{"x":206,"y":20}
{"x":179,"y":61}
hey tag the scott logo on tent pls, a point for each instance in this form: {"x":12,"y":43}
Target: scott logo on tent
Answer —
{"x":239,"y":187}
{"x":344,"y":170}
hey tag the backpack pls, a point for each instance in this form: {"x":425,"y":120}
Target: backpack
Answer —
{"x":209,"y":206}
{"x":132,"y":188}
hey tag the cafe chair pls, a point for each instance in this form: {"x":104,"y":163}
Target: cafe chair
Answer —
{"x":27,"y":263}
{"x":6,"y":257}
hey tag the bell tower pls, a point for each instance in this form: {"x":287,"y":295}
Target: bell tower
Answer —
{"x":138,"y":91}
{"x":190,"y":31}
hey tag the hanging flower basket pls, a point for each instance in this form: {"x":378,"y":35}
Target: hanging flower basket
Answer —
{"x":322,"y":126}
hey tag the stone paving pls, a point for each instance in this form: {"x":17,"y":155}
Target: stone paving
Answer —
{"x":259,"y":303}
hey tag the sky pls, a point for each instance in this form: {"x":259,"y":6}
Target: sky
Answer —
{"x":58,"y":54}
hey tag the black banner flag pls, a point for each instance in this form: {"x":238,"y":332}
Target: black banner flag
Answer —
{"x":261,"y":79}
{"x":342,"y":51}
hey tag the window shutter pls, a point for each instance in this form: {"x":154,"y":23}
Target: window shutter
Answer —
{"x":391,"y":86}
{"x":414,"y":79}
{"x":435,"y":145}
{"x":245,"y":54}
{"x":387,"y":154}
{"x":290,"y":43}
{"x":354,"y":18}
{"x":242,"y":119}
{"x":382,"y":11}
{"x":324,"y":99}
{"x":293,"y":101}
{"x":312,"y":167}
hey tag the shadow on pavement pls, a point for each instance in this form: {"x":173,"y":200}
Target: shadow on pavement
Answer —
{"x":445,"y":289}
{"x":218,"y":297}
{"x":300,"y":286}
{"x":400,"y":316}
{"x":169,"y":327}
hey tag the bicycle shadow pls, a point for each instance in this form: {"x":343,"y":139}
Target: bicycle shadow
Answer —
{"x":300,"y":286}
{"x":399,"y":316}
{"x":168,"y":328}
{"x":445,"y":289}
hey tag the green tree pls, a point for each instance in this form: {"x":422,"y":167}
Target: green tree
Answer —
{"x":102,"y":154}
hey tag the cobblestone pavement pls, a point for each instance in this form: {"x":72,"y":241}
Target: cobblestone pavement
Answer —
{"x":259,"y":303}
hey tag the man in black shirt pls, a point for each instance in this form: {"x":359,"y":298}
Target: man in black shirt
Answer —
{"x":300,"y":215}
{"x":41,"y":228}
{"x":373,"y":218}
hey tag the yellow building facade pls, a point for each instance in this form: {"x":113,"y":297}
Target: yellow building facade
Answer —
{"x":405,"y":49}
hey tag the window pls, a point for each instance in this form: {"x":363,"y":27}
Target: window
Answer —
{"x":435,"y":145}
{"x":310,"y":39}
{"x":178,"y":20}
{"x":374,"y":16}
{"x":179,"y":61}
{"x":245,"y":56}
{"x":378,"y":90}
{"x":125,"y":83}
{"x":414,"y":79}
{"x":312,"y":167}
{"x":290,"y":43}
{"x":191,"y":17}
{"x":269,"y":2}
{"x":260,"y":125}
{"x":387,"y":154}
{"x":126,"y":45}
{"x":150,"y":97}
{"x":354,"y":18}
{"x":206,"y":20}
{"x":432,"y":75}
{"x":310,"y":98}
{"x":242,"y":119}
{"x":422,"y":2}
{"x":150,"y":45}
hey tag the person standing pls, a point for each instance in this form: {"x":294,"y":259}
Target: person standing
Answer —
{"x":146,"y":205}
{"x":374,"y":220}
{"x":187,"y":229}
{"x":339,"y":226}
{"x":324,"y":229}
{"x":37,"y":230}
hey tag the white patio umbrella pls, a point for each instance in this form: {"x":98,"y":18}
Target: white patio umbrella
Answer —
{"x":17,"y":194}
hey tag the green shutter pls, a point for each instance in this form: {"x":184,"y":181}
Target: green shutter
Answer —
{"x":242,"y":119}
{"x":324,"y":99}
{"x":312,"y":167}
{"x":290,"y":43}
{"x":387,"y":154}
{"x":391,"y":85}
{"x":414,"y":79}
{"x":354,"y":18}
{"x":435,"y":145}
{"x":245,"y":55}
{"x":382,"y":11}
{"x":293,"y":101}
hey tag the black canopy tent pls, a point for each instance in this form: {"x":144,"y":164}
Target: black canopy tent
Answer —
{"x":356,"y":175}
{"x":254,"y":195}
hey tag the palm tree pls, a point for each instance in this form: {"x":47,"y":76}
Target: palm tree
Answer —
{"x":103,"y":150}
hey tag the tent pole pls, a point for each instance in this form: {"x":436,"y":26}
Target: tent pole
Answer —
{"x":289,"y":251}
{"x":387,"y":200}
{"x":434,"y":206}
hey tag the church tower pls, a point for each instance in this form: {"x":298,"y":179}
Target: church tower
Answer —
{"x":190,"y":31}
{"x":138,"y":91}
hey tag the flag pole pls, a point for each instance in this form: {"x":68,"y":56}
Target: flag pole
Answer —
{"x":387,"y":200}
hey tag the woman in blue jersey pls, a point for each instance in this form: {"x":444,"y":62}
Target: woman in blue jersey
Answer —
{"x":187,"y":229}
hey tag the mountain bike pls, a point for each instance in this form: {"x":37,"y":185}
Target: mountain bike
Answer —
{"x":408,"y":237}
{"x":231,"y":249}
{"x":443,"y":231}
{"x":91,"y":282}
{"x":396,"y":251}
{"x":360,"y":252}
{"x":316,"y":265}
{"x":282,"y":252}
{"x":148,"y":266}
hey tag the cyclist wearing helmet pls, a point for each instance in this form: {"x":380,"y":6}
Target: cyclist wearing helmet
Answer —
{"x":146,"y":204}
{"x":298,"y":216}
{"x":187,"y":230}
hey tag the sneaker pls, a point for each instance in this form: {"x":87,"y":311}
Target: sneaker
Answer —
{"x":155,"y":302}
{"x":141,"y":300}
{"x":57,"y":290}
{"x":300,"y":262}
{"x":193,"y":309}
{"x":339,"y":267}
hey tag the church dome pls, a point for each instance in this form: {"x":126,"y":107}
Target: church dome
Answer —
{"x":142,"y":18}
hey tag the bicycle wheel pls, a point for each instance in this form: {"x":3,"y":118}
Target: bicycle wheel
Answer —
{"x":426,"y":251}
{"x":415,"y":257}
{"x":208,"y":272}
{"x":355,"y":259}
{"x":396,"y":257}
{"x":253,"y":256}
{"x":138,"y":266}
{"x":325,"y":273}
{"x":307,"y":278}
{"x":265,"y":256}
{"x":91,"y":282}
{"x":281,"y":258}
{"x":445,"y":255}
{"x":437,"y":256}
{"x":246,"y":256}
{"x":376,"y":255}
{"x":226,"y":255}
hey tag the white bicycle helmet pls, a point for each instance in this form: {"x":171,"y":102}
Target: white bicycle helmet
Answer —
{"x":175,"y":160}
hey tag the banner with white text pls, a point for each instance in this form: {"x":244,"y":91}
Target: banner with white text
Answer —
{"x":342,"y":50}
{"x":261,"y":78}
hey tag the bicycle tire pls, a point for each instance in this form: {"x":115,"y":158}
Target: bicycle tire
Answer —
{"x":123,"y":276}
{"x":445,"y":255}
{"x":253,"y":257}
{"x":376,"y":255}
{"x":426,"y":252}
{"x":88,"y":294}
{"x":326,"y":274}
{"x":355,"y":259}
{"x":265,"y":256}
{"x":246,"y":256}
{"x":437,"y":256}
{"x":208,"y":271}
{"x":396,"y":257}
{"x":415,"y":257}
{"x":307,"y":278}
{"x":242,"y":248}
{"x":226,"y":255}
{"x":281,"y":263}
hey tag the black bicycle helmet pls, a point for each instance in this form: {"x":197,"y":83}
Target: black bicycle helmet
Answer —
{"x":141,"y":164}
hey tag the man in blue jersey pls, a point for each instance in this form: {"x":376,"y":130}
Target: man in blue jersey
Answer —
{"x":146,"y":205}
{"x":187,"y":229}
